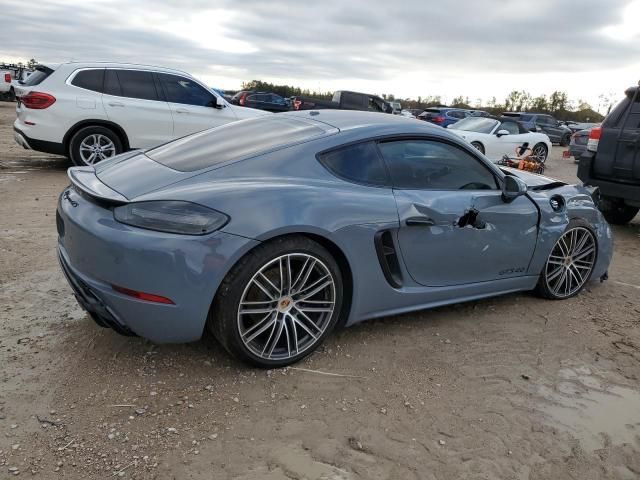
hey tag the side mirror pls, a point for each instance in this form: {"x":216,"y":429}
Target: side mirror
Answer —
{"x":215,"y":104}
{"x":501,"y":133}
{"x":513,"y":188}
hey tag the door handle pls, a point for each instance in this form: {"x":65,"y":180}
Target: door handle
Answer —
{"x":116,"y":104}
{"x":419,"y":222}
{"x":182,"y":110}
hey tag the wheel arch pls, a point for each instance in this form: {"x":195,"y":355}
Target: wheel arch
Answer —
{"x":117,"y":129}
{"x":321,"y":238}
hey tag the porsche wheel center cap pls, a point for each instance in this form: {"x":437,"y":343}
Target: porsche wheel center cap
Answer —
{"x":285,"y":304}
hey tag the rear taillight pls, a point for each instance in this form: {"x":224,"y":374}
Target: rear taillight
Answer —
{"x":7,"y":77}
{"x":241,"y":100}
{"x":438,"y":119}
{"x":594,"y":139}
{"x":38,"y":100}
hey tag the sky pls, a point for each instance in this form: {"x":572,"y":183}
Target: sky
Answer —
{"x":475,"y":48}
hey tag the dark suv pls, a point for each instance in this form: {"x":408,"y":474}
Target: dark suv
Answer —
{"x":612,"y":160}
{"x":270,"y":102}
{"x":541,"y":122}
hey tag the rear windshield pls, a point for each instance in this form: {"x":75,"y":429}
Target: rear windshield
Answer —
{"x":233,"y":141}
{"x":41,"y":72}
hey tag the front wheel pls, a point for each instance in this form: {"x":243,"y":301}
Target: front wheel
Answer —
{"x":278,"y":304}
{"x":570,"y":262}
{"x":91,"y":145}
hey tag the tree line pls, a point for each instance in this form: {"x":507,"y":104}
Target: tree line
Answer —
{"x":557,"y":103}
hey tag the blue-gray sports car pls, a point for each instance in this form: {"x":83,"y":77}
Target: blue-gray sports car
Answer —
{"x":271,"y":232}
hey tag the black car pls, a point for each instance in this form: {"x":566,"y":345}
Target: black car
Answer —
{"x":578,"y":144}
{"x":261,"y":100}
{"x":541,"y":122}
{"x":612,"y":160}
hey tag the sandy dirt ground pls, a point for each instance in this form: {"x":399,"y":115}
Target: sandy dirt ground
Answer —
{"x":507,"y":388}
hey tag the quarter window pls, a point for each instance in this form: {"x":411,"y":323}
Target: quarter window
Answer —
{"x":89,"y":79}
{"x":359,"y":163}
{"x":431,"y":165}
{"x":184,"y":90}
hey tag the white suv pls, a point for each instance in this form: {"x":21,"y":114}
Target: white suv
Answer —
{"x":92,"y":111}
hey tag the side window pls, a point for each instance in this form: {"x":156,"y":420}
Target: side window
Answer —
{"x":137,"y":84}
{"x":184,"y":90}
{"x":374,"y":105}
{"x":112,"y":84}
{"x":633,"y":119}
{"x":431,"y":165}
{"x":358,"y":163}
{"x":511,"y":127}
{"x":89,"y":80}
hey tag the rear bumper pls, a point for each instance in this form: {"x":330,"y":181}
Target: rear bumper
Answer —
{"x":39,"y":145}
{"x":618,"y":190}
{"x":97,"y":253}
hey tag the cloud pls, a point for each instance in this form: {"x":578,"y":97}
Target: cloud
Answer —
{"x":361,"y":42}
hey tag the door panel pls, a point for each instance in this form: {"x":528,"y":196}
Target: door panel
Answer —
{"x":192,"y":105}
{"x":465,"y":236}
{"x":147,"y":121}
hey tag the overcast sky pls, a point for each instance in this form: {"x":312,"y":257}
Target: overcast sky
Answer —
{"x":475,"y":48}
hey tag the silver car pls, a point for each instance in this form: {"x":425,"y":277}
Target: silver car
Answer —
{"x":272,"y":232}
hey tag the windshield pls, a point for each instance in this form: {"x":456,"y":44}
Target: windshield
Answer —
{"x":233,"y":141}
{"x":476,"y":124}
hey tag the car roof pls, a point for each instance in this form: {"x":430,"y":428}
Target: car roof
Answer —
{"x":138,"y":66}
{"x":372,"y":123}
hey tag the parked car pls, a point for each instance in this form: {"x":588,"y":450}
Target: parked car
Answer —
{"x":396,"y":107}
{"x":578,"y":144}
{"x":479,"y":113}
{"x":541,"y":122}
{"x":499,"y":136}
{"x":314,"y":220}
{"x":6,"y":78}
{"x":414,"y":111}
{"x":407,"y":113}
{"x":612,"y":160}
{"x":344,"y":100}
{"x":577,"y":126}
{"x":443,"y":116}
{"x":270,"y":102}
{"x":93,"y":111}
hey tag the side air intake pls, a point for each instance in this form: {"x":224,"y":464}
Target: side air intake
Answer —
{"x":388,"y":258}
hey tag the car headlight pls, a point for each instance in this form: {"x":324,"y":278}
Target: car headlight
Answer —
{"x":171,"y":216}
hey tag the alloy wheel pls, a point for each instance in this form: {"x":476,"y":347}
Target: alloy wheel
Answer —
{"x":540,"y":152}
{"x":570,"y":263}
{"x":286,"y":307}
{"x":96,"y":147}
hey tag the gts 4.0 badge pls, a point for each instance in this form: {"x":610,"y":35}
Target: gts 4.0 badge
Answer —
{"x":511,"y":271}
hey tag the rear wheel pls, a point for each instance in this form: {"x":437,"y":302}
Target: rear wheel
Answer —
{"x":617,"y":212}
{"x":478,"y":146}
{"x":278,"y":304}
{"x":12,"y":95}
{"x":570,"y":262}
{"x":91,"y":145}
{"x":540,"y":151}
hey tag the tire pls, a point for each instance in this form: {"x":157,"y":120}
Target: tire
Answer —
{"x":617,"y":212}
{"x":12,"y":95}
{"x":279,"y":332}
{"x":478,"y":146}
{"x":565,"y":140}
{"x":541,"y":150}
{"x":81,"y":144}
{"x":570,"y":263}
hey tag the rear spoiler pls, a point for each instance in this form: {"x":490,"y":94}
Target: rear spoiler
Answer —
{"x":85,"y":179}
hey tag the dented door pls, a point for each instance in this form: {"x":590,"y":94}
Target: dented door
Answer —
{"x":459,"y":237}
